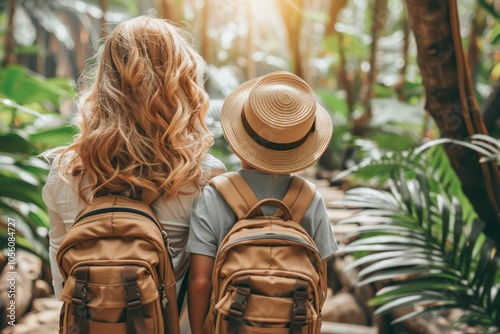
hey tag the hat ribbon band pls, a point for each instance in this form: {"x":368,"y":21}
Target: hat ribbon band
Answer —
{"x":272,"y":145}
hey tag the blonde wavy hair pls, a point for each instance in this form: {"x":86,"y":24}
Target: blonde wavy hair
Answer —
{"x":141,"y":117}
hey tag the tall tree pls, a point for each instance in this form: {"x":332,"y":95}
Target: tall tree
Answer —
{"x":104,"y":8}
{"x":451,"y":102}
{"x":168,"y":10}
{"x":10,"y":42}
{"x":292,"y":12}
{"x":205,"y":41}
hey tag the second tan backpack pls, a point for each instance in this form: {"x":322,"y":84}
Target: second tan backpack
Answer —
{"x":268,"y":275}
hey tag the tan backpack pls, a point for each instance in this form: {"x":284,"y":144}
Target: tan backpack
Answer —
{"x":118,"y":276}
{"x":268,"y":276}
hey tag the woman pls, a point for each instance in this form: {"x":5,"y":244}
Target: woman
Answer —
{"x":141,"y":120}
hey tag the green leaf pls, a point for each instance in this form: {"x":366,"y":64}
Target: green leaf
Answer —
{"x":415,"y":300}
{"x":495,"y":305}
{"x":405,"y":254}
{"x":457,"y":228}
{"x":372,"y":248}
{"x":366,"y":219}
{"x":488,"y":280}
{"x":24,"y":88}
{"x":334,"y":104}
{"x":394,"y":292}
{"x":23,"y":243}
{"x":30,"y":50}
{"x":59,"y":136}
{"x":466,"y":253}
{"x":485,"y":258}
{"x":442,"y":306}
{"x":416,"y":194}
{"x":401,"y":185}
{"x":490,"y":148}
{"x":442,"y":141}
{"x":445,"y":218}
{"x":11,"y":104}
{"x":20,"y":190}
{"x":32,"y":215}
{"x":494,"y":34}
{"x":390,"y":239}
{"x":489,"y":139}
{"x":396,"y":274}
{"x":15,"y":142}
{"x":424,"y":186}
{"x":397,"y":230}
{"x":395,"y":263}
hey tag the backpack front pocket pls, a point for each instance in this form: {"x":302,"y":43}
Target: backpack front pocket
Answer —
{"x":107,"y":300}
{"x":264,"y":314}
{"x":120,"y":327}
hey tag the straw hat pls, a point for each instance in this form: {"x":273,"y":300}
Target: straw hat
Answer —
{"x":275,"y":124}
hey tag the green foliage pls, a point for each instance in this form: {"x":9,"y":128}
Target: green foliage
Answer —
{"x":490,"y":7}
{"x":24,"y":87}
{"x":29,"y":124}
{"x":423,"y":239}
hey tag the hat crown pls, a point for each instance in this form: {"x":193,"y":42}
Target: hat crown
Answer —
{"x":281,"y":108}
{"x":275,"y":124}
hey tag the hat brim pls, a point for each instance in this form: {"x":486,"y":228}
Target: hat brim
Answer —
{"x":262,"y":158}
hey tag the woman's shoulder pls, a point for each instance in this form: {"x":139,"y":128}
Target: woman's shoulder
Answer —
{"x":57,"y":184}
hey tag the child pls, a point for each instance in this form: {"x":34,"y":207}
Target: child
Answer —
{"x":276,"y":127}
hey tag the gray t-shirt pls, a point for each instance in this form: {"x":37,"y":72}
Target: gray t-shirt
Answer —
{"x":212,"y":218}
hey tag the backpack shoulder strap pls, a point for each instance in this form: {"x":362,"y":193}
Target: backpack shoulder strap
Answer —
{"x":149,"y":196}
{"x":236,"y":192}
{"x":299,"y":196}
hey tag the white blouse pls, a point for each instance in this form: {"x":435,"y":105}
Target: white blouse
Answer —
{"x":64,"y":204}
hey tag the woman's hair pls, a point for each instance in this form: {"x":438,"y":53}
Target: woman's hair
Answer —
{"x":141,"y":117}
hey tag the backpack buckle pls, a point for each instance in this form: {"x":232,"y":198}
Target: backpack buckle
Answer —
{"x":132,"y":294}
{"x":136,"y":303}
{"x":135,"y":320}
{"x":79,"y":299}
{"x":299,"y":315}
{"x":239,"y":303}
{"x":79,"y":296}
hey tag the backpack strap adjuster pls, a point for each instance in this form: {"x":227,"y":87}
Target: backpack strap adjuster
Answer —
{"x":299,"y":315}
{"x":132,"y":295}
{"x":79,"y":299}
{"x":239,"y":304}
{"x":135,"y":319}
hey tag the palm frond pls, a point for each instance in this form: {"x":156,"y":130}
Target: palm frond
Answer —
{"x":425,"y":250}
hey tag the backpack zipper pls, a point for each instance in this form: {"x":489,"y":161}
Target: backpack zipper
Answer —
{"x":166,"y":239}
{"x":270,"y":236}
{"x":114,"y":209}
{"x":164,"y":300}
{"x":164,"y":233}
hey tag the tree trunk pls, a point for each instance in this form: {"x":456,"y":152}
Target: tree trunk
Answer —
{"x":451,"y":102}
{"x":251,"y":69}
{"x":104,"y":8}
{"x":169,"y":11}
{"x":335,"y":9}
{"x":293,"y":17}
{"x":10,"y":42}
{"x":474,"y":52}
{"x":405,"y":48}
{"x":359,"y":125}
